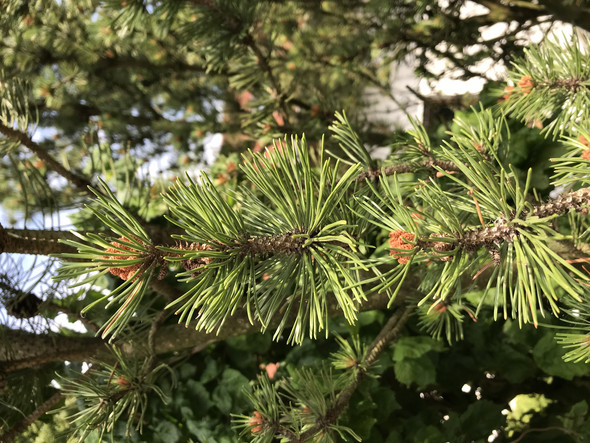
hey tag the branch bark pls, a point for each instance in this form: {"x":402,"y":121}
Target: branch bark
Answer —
{"x":20,"y":427}
{"x":79,"y":181}
{"x":21,"y":349}
{"x":35,"y":242}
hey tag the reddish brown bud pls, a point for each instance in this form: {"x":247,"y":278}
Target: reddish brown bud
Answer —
{"x":257,"y":422}
{"x":124,"y":272}
{"x":526,"y":84}
{"x":123,"y":382}
{"x":507,"y":93}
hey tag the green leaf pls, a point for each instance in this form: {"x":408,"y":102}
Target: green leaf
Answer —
{"x":428,"y":434}
{"x":481,"y":418}
{"x":414,"y":347}
{"x":420,"y":371}
{"x":229,"y":393}
{"x":168,"y":432}
{"x":513,"y":365}
{"x":386,"y":403}
{"x":199,"y":397}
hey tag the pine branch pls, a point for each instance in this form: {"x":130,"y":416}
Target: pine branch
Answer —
{"x":406,"y":167}
{"x":264,"y":64}
{"x":390,"y":332}
{"x":275,"y":244}
{"x":22,"y":304}
{"x":36,"y":242}
{"x":79,"y":181}
{"x":562,"y":204}
{"x":21,"y":349}
{"x":22,"y":426}
{"x":501,"y":230}
{"x":48,"y":241}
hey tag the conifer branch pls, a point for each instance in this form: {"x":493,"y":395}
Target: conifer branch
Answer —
{"x":37,"y":242}
{"x":77,"y":180}
{"x":562,"y":204}
{"x":498,"y":231}
{"x":22,"y":426}
{"x":388,"y":333}
{"x":80,"y":182}
{"x":21,"y":349}
{"x":274,"y":244}
{"x":264,"y":64}
{"x":22,"y":304}
{"x":406,"y":167}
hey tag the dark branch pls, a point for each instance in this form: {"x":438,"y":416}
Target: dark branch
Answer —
{"x":79,"y":181}
{"x":22,"y":426}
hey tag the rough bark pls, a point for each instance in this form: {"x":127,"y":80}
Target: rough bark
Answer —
{"x":21,"y":349}
{"x":36,"y":242}
{"x":79,"y":181}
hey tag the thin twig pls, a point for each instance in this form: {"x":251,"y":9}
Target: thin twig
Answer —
{"x":22,"y":426}
{"x":151,"y":338}
{"x":165,"y":289}
{"x":265,"y":66}
{"x":390,"y":332}
{"x":406,"y":167}
{"x":79,"y":181}
{"x":89,"y":324}
{"x":550,"y":428}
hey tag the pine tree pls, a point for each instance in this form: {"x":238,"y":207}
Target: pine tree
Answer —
{"x":375,"y":268}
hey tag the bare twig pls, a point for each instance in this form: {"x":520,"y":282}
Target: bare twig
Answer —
{"x":550,"y":428}
{"x":406,"y":167}
{"x":22,"y":426}
{"x":79,"y":181}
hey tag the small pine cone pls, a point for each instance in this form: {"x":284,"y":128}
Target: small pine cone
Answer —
{"x":440,"y":308}
{"x":507,"y":93}
{"x":526,"y":84}
{"x":194,"y":264}
{"x":256,"y":422}
{"x":473,"y":240}
{"x":124,"y":272}
{"x":400,"y":239}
